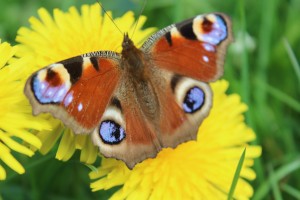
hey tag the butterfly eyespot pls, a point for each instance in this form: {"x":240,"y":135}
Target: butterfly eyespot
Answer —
{"x":111,"y":132}
{"x":194,"y":100}
{"x":46,"y":93}
{"x":50,"y":85}
{"x":211,"y":29}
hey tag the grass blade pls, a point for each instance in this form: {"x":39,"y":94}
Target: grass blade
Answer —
{"x":92,"y":167}
{"x":281,"y":96}
{"x":245,"y":82}
{"x":274,"y":185}
{"x":236,"y":175}
{"x":293,"y":58}
{"x":282,"y":172}
{"x":291,"y":191}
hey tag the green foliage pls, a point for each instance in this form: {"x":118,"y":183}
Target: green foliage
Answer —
{"x":262,"y":66}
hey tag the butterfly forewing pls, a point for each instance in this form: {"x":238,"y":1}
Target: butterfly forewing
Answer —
{"x":195,"y":48}
{"x":76,"y":90}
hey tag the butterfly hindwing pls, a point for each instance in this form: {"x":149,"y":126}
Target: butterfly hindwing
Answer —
{"x":124,"y":133}
{"x":75,"y":90}
{"x":184,"y":103}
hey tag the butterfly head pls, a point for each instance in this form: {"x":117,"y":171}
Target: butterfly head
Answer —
{"x":132,"y":57}
{"x":127,"y":43}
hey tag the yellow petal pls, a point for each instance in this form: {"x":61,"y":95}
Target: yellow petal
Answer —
{"x":15,"y":145}
{"x":9,"y":160}
{"x":67,"y":146}
{"x":2,"y":173}
{"x":15,"y":115}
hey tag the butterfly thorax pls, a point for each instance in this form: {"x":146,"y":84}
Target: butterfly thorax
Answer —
{"x":133,"y":59}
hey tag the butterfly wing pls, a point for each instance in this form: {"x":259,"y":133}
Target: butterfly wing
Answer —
{"x":184,"y":104}
{"x":185,"y":57}
{"x":76,"y":90}
{"x":124,"y":133}
{"x":194,"y":48}
{"x":90,"y":94}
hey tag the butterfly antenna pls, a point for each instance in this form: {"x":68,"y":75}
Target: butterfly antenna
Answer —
{"x":111,"y":19}
{"x":137,"y":21}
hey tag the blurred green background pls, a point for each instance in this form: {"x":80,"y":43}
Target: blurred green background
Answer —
{"x":262,"y":66}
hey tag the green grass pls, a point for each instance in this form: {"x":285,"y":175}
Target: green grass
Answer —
{"x":267,"y":76}
{"x":236,"y":176}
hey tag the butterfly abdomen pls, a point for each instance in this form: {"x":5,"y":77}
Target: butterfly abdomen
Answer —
{"x":140,"y":93}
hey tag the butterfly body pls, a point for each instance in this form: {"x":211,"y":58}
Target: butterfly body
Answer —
{"x":137,"y":78}
{"x":135,"y":103}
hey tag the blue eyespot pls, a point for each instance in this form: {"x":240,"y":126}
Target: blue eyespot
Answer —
{"x":111,"y":132}
{"x":46,"y":93}
{"x":218,"y":32}
{"x":193,"y":100}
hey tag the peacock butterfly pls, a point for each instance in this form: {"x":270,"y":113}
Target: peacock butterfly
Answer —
{"x":138,"y":101}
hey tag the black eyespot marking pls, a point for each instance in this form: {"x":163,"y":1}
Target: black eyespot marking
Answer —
{"x":193,"y":100}
{"x":186,"y":29}
{"x":74,"y":67}
{"x":169,"y":38}
{"x":94,"y":62}
{"x":111,"y":133}
{"x":116,"y":102}
{"x":174,"y":81}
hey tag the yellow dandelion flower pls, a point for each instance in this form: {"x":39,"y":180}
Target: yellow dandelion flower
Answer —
{"x":201,"y":169}
{"x":68,"y":34}
{"x":16,"y":120}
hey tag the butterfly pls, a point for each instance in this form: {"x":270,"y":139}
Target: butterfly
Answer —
{"x":136,"y":102}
